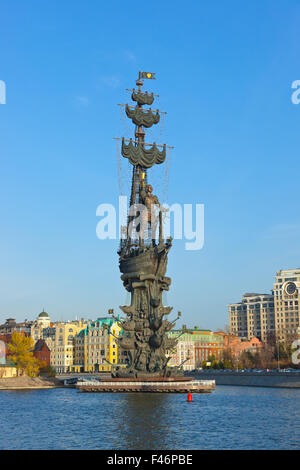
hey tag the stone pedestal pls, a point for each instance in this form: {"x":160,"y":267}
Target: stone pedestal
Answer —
{"x":152,"y":385}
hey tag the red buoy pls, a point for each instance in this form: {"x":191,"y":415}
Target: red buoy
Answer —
{"x":190,"y":397}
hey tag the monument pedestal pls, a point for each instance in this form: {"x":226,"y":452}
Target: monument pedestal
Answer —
{"x":149,"y":384}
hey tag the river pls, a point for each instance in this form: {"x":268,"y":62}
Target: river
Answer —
{"x":229,"y":418}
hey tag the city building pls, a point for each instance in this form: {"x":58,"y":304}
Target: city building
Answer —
{"x":48,"y":335}
{"x":7,"y":367}
{"x":184,"y":353}
{"x":96,"y":347}
{"x":5,"y":338}
{"x":42,"y":322}
{"x":42,"y":352}
{"x":287,"y":300}
{"x":195,"y":346}
{"x":8,"y":370}
{"x":62,"y":350}
{"x":238,"y":345}
{"x":11,"y":325}
{"x":253,"y":316}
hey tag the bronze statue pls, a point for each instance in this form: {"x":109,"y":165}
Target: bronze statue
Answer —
{"x":149,"y":216}
{"x":143,"y":263}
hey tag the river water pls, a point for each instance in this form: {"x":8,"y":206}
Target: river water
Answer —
{"x":229,"y":418}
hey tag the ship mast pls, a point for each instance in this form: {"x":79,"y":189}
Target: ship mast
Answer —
{"x":140,"y":136}
{"x":141,"y":157}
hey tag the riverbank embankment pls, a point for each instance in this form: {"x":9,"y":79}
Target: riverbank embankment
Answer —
{"x":29,"y":383}
{"x":252,"y":379}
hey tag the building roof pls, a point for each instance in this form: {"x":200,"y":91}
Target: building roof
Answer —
{"x":40,"y":344}
{"x":8,"y":363}
{"x":192,"y":331}
{"x":98,"y":324}
{"x":254,"y":294}
{"x":43,"y":314}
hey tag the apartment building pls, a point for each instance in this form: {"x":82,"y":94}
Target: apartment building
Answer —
{"x":62,"y":351}
{"x":96,"y":347}
{"x":253,"y":316}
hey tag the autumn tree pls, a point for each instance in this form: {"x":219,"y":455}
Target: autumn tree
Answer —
{"x":21,"y":353}
{"x":278,"y":352}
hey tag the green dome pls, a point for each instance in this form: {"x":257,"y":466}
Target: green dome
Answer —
{"x":43,"y":315}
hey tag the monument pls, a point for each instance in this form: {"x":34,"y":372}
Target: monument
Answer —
{"x":143,"y":257}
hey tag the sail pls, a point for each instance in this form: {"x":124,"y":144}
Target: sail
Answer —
{"x":138,"y":155}
{"x":142,"y":98}
{"x":140,"y":117}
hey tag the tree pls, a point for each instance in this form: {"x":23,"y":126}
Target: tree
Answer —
{"x":228,"y":364}
{"x":278,"y":348}
{"x":226,"y":360}
{"x":225,"y":329}
{"x":214,"y":363}
{"x":21,"y":353}
{"x":247,"y":360}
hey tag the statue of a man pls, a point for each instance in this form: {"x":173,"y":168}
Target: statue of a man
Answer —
{"x":149,"y":217}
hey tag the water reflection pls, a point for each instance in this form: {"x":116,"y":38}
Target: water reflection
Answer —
{"x":145,"y":421}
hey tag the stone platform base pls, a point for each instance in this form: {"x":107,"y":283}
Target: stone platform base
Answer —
{"x":159,"y":385}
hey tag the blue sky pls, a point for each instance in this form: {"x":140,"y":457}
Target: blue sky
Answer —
{"x":224,"y":73}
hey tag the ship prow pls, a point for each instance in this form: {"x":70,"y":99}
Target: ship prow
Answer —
{"x":145,"y":263}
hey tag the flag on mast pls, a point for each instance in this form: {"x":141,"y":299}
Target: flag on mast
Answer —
{"x":147,"y":75}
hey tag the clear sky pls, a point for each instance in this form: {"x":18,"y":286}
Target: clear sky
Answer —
{"x":224,"y":73}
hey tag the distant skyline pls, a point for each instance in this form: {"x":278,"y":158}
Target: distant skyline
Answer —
{"x":224,"y":73}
